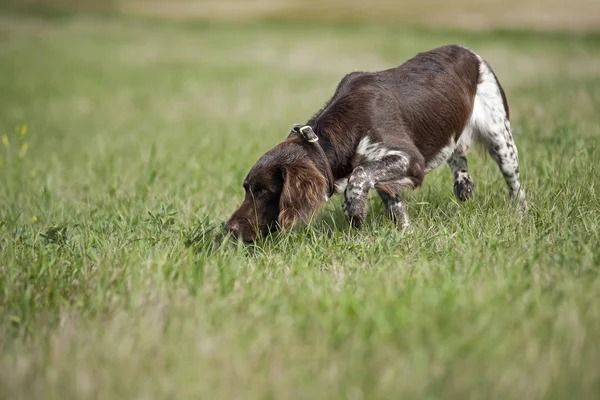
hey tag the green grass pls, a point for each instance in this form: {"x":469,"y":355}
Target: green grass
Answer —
{"x":124,"y":142}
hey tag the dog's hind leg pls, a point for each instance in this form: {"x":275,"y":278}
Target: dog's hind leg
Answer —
{"x":463,"y":183}
{"x":491,"y":120}
{"x":501,"y":146}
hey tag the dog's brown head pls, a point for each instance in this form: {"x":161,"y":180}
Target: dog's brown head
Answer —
{"x":283,"y":187}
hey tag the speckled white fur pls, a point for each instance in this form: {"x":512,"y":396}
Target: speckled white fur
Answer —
{"x":490,"y":121}
{"x":376,"y":163}
{"x":376,"y":151}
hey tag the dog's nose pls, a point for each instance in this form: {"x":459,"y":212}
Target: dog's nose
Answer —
{"x":233,"y":227}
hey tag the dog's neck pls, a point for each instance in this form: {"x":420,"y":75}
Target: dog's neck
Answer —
{"x":316,"y":152}
{"x":339,"y":145}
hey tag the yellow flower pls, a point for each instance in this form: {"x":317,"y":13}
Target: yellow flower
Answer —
{"x":23,"y":150}
{"x":5,"y":141}
{"x":34,"y":218}
{"x":23,"y":130}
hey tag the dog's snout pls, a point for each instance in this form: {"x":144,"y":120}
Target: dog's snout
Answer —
{"x":233,"y":227}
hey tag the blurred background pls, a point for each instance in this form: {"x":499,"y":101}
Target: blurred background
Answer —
{"x":575,"y":15}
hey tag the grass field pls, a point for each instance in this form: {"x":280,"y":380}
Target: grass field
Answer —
{"x":124,"y":140}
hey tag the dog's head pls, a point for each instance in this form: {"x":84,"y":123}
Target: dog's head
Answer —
{"x":283,"y":188}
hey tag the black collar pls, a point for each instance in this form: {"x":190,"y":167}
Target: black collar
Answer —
{"x":307,"y":133}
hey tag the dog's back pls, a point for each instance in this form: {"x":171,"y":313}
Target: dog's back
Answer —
{"x":429,"y":98}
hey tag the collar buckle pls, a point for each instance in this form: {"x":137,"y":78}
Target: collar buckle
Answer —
{"x":306,"y":132}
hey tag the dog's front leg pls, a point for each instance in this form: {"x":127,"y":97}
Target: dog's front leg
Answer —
{"x":391,"y":168}
{"x":391,"y":195}
{"x":356,"y":195}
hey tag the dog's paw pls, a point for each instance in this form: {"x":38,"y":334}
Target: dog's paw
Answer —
{"x":464,"y":186}
{"x":397,"y":212}
{"x":355,"y":211}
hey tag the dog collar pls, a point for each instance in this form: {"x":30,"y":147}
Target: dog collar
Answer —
{"x":307,"y":133}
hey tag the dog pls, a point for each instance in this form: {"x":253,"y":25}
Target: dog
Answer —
{"x":385,"y":131}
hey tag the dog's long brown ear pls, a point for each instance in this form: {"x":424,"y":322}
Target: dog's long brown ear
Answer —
{"x":304,"y":190}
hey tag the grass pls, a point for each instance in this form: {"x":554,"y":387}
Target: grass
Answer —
{"x":124,"y":142}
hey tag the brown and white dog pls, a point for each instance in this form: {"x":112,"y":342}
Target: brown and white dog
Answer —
{"x":383,"y":130}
